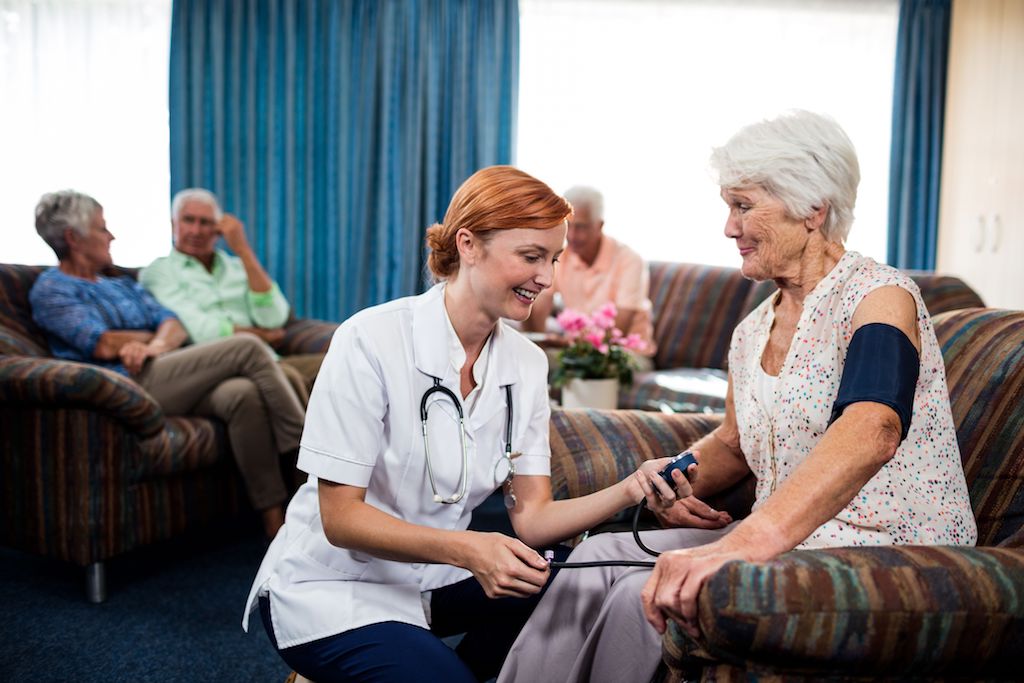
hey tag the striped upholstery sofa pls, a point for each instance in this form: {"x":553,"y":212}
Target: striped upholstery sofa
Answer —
{"x":695,"y":309}
{"x":90,"y":467}
{"x":855,"y":614}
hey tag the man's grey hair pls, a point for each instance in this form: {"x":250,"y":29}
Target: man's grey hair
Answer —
{"x":803,"y":159}
{"x":60,"y":211}
{"x":584,"y":195}
{"x":195,"y":194}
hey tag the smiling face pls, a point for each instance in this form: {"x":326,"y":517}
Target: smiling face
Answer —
{"x":510,"y":268}
{"x":195,"y":229}
{"x":769,"y":240}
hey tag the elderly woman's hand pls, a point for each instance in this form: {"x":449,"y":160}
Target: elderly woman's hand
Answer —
{"x":133,"y":355}
{"x":675,"y":583}
{"x":691,"y":512}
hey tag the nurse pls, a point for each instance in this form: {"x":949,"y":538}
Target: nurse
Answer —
{"x":375,"y":563}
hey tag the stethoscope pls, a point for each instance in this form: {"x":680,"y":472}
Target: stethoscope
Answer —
{"x":506,"y":459}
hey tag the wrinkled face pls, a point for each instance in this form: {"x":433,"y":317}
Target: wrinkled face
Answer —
{"x":585,"y":233}
{"x":94,"y":247}
{"x":195,"y":229}
{"x":509,"y":270}
{"x":769,"y":240}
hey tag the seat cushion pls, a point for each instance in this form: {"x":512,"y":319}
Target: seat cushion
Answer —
{"x":681,"y":390}
{"x":907,"y":610}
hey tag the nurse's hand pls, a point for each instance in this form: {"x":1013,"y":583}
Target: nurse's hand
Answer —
{"x":505,"y":566}
{"x":647,"y":483}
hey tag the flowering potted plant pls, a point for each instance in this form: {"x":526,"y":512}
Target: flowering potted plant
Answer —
{"x":596,"y":351}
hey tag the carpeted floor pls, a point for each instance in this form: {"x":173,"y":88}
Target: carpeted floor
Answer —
{"x":173,"y":614}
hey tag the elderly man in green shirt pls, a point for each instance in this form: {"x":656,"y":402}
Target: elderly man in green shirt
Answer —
{"x":215,"y":294}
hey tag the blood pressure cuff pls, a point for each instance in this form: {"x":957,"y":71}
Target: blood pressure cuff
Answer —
{"x":881,"y":366}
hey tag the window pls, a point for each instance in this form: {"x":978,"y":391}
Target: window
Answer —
{"x":630,"y":96}
{"x":84,"y":92}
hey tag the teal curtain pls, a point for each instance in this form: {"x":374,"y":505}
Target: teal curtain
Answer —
{"x":337,"y":130}
{"x":919,"y":100}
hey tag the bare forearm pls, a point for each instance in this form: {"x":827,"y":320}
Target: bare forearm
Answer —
{"x":362,"y":527}
{"x":850,"y":453}
{"x":111,"y":341}
{"x":170,"y":335}
{"x":720,"y":467}
{"x":542,"y":522}
{"x":259,"y":281}
{"x":624,"y":319}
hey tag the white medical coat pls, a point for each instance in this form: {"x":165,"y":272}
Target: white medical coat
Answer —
{"x":363,"y":429}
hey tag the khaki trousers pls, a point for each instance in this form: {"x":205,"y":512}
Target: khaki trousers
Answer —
{"x":237,"y":380}
{"x":590,"y":625}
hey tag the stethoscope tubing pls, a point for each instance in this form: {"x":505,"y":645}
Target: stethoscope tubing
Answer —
{"x":439,"y":388}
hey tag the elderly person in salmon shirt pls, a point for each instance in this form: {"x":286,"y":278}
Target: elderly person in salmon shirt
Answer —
{"x":837,"y":403}
{"x":596,"y":271}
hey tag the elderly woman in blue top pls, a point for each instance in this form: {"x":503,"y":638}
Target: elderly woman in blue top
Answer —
{"x":112,"y":321}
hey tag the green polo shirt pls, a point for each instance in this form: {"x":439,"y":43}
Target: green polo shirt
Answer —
{"x":211,"y":304}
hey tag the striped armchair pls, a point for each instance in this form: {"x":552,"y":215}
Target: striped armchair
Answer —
{"x":90,"y":467}
{"x":855,"y":614}
{"x":695,"y":309}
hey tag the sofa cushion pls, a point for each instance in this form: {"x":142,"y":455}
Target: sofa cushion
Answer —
{"x":680,"y":390}
{"x":861,"y":611}
{"x":695,"y":309}
{"x":984,"y":354}
{"x":19,"y":335}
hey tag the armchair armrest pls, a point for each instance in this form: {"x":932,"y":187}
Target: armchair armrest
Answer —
{"x":306,"y":335}
{"x":50,"y":383}
{"x":903,"y":611}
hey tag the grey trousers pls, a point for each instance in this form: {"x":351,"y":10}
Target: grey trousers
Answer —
{"x":590,"y":625}
{"x":237,"y":380}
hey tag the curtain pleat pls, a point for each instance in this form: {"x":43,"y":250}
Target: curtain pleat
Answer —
{"x":338,"y":130}
{"x":919,"y":101}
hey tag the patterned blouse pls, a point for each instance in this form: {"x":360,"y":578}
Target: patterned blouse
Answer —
{"x":919,"y":496}
{"x":74,"y":313}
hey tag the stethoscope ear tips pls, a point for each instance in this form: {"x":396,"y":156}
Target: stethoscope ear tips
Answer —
{"x":438,"y":499}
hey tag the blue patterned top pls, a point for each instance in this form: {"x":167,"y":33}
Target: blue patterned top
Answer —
{"x":74,"y":313}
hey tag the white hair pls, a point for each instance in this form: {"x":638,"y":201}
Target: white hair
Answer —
{"x":195,"y":194}
{"x":803,"y":159}
{"x":60,"y":211}
{"x":583,"y":195}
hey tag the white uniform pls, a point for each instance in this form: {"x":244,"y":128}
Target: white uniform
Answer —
{"x":363,"y":429}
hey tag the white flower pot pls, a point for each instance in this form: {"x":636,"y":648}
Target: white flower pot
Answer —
{"x":591,"y":393}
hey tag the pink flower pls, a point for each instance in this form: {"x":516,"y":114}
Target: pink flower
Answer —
{"x":596,"y":340}
{"x":573,"y":321}
{"x":634,"y":342}
{"x":604,"y":318}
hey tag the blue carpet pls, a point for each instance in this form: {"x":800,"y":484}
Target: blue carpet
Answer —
{"x":173,"y":614}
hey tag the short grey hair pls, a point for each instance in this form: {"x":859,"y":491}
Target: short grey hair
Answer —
{"x":195,"y":194}
{"x":803,"y":159}
{"x":60,"y":211}
{"x":583,"y":195}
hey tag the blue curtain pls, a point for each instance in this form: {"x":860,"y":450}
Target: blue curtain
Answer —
{"x":337,"y":130}
{"x":919,"y":100}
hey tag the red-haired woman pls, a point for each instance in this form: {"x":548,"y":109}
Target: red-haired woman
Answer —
{"x":423,"y":408}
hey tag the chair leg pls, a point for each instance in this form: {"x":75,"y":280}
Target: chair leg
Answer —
{"x":96,"y":582}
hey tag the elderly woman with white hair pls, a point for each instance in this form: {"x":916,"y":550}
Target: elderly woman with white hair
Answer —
{"x":93,"y":317}
{"x":837,"y":404}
